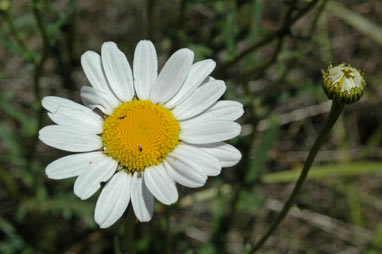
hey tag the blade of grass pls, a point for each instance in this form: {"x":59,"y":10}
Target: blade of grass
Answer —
{"x":357,"y":21}
{"x":318,"y":172}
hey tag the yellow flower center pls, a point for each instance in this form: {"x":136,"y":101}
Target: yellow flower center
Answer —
{"x":139,"y":134}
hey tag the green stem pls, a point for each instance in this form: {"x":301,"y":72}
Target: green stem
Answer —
{"x":334,"y":113}
{"x":129,"y":231}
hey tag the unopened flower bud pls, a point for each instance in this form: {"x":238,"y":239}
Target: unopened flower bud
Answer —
{"x":343,"y":83}
{"x":4,"y":5}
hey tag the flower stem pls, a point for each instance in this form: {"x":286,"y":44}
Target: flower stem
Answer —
{"x":129,"y":231}
{"x":334,"y":113}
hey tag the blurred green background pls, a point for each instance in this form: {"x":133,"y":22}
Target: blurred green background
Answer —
{"x":270,"y":54}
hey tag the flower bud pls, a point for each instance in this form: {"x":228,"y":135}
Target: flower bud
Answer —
{"x":343,"y":83}
{"x":4,"y":5}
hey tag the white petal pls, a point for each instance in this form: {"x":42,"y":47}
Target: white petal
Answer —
{"x":172,"y":76}
{"x":51,"y":103}
{"x":161,"y":184}
{"x":184,"y":170}
{"x":91,"y":63}
{"x":141,"y":198}
{"x":199,"y":72}
{"x":69,"y":139}
{"x":79,"y":118}
{"x":221,"y":110}
{"x":118,"y":71}
{"x":102,"y":168}
{"x":145,"y":68}
{"x":113,"y":200}
{"x":94,"y":98}
{"x":227,"y":155}
{"x":71,"y":165}
{"x":202,"y":98}
{"x":67,"y":112}
{"x":208,"y":132}
{"x":207,"y":162}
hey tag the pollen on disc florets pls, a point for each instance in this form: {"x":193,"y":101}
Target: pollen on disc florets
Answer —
{"x":139,"y":134}
{"x":343,"y":83}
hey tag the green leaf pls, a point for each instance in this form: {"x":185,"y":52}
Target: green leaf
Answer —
{"x":207,"y":248}
{"x":249,"y":202}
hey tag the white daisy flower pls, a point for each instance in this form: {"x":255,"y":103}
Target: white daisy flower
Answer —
{"x":155,"y":130}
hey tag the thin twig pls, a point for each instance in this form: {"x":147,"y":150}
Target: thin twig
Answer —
{"x":345,"y":231}
{"x":316,"y":18}
{"x":286,"y":28}
{"x":280,"y":32}
{"x":296,"y":115}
